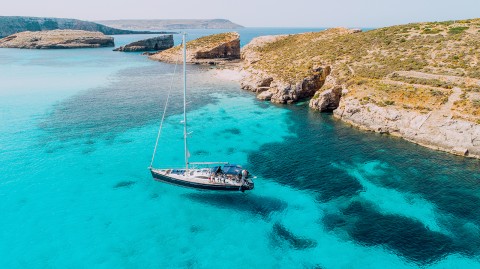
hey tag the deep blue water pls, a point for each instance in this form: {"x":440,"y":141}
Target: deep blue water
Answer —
{"x":77,"y":129}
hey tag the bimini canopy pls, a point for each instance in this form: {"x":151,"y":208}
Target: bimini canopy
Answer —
{"x":216,"y":169}
{"x":232,"y":169}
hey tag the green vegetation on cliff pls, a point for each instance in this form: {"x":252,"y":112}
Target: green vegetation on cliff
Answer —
{"x":208,"y":42}
{"x":413,"y":66}
{"x":223,"y":45}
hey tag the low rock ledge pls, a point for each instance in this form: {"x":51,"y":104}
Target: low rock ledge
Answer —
{"x":57,"y":39}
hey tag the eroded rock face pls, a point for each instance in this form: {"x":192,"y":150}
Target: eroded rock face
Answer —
{"x":226,"y":50}
{"x":151,"y":44}
{"x":57,"y":39}
{"x":213,"y":49}
{"x":327,"y":100}
{"x":277,"y":91}
{"x":276,"y":68}
{"x":257,"y":82}
{"x":270,"y":86}
{"x":452,"y":135}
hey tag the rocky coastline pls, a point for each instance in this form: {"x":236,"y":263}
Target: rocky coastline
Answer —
{"x":270,"y":86}
{"x":432,"y":130}
{"x":399,"y":80}
{"x":419,"y":104}
{"x":57,"y":39}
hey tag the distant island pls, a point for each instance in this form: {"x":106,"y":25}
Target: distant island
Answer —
{"x":171,"y":24}
{"x":14,"y":24}
{"x":57,"y":39}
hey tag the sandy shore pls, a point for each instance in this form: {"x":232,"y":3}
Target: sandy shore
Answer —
{"x":229,"y":74}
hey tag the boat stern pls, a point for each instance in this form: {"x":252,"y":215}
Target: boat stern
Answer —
{"x":248,"y":185}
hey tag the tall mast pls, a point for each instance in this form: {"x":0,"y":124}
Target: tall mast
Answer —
{"x":185,"y":134}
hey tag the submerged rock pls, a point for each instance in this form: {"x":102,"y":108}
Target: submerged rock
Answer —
{"x":256,"y":205}
{"x":57,"y":39}
{"x":151,"y":44}
{"x":213,"y":49}
{"x":124,"y":184}
{"x":280,"y":232}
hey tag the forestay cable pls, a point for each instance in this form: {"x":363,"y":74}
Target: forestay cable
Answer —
{"x":164,"y":112}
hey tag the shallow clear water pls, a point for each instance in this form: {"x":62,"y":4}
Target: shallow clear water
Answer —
{"x":77,"y":129}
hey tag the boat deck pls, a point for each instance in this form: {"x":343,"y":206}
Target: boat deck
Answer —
{"x":200,"y":176}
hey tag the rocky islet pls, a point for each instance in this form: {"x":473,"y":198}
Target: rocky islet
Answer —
{"x":57,"y":39}
{"x":213,"y":49}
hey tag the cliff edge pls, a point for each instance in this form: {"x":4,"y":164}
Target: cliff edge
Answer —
{"x":213,"y":49}
{"x":286,"y":68}
{"x":417,"y":81}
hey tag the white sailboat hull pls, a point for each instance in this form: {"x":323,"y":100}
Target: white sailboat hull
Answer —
{"x":201,"y":179}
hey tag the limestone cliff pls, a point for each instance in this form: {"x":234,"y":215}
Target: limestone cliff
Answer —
{"x":277,"y":69}
{"x":211,"y":49}
{"x":436,"y":129}
{"x":417,"y":81}
{"x":57,"y":39}
{"x":151,"y":44}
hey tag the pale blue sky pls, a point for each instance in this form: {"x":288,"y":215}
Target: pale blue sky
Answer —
{"x":267,"y":13}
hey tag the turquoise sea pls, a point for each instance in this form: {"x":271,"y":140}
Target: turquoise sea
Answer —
{"x":77,"y":130}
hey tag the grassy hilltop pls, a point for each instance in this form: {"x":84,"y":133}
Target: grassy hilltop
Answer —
{"x":416,"y":66}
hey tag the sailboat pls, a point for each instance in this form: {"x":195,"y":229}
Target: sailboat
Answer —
{"x":217,"y":176}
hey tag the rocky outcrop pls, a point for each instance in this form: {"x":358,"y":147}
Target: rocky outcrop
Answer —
{"x":253,"y":79}
{"x":327,"y":100}
{"x":278,"y":91}
{"x":273,"y":89}
{"x":213,"y":49}
{"x":441,"y":133}
{"x":57,"y":39}
{"x":278,"y":80}
{"x":152,"y":44}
